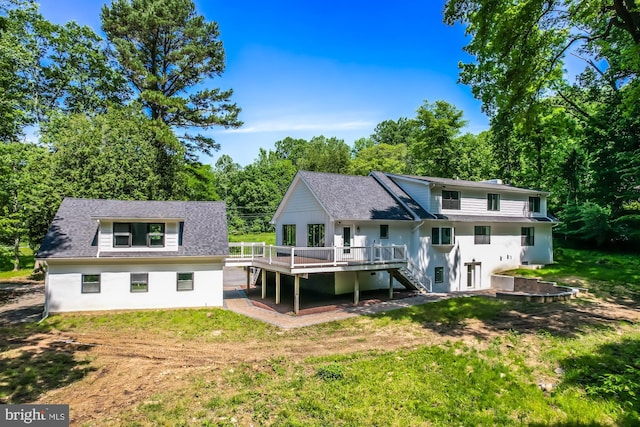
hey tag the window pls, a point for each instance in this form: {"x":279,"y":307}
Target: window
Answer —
{"x":185,"y":282}
{"x":450,"y":199}
{"x":139,"y":282}
{"x":493,"y":202}
{"x":384,"y":231}
{"x":482,"y":234}
{"x":315,"y":235}
{"x":534,"y":204}
{"x":289,"y":235}
{"x":138,"y":234}
{"x":121,"y":235}
{"x":442,"y":236}
{"x":527,"y":236}
{"x":155,"y":236}
{"x":439,"y":275}
{"x":90,"y":284}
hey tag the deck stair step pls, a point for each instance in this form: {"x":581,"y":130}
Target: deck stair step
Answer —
{"x":409,"y":280}
{"x":255,"y":275}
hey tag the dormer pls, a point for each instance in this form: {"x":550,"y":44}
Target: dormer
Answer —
{"x":139,"y":234}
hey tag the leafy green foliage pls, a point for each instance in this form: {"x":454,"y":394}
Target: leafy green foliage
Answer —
{"x":578,"y":139}
{"x":121,"y":154}
{"x":47,"y":67}
{"x":165,"y":50}
{"x":381,"y":157}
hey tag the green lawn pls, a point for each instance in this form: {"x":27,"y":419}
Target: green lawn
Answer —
{"x":268,"y":238}
{"x":6,"y":263}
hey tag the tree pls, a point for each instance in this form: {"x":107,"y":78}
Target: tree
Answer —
{"x":435,"y":146}
{"x":291,"y":148}
{"x":475,"y":157}
{"x":27,"y":198}
{"x":325,"y":155}
{"x":581,"y":137}
{"x":381,"y":157}
{"x":165,"y":50}
{"x":394,"y":132}
{"x":46,"y":67}
{"x":115,"y":155}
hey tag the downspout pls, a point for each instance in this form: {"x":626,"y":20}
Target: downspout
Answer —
{"x":415,"y":241}
{"x":45,"y":313}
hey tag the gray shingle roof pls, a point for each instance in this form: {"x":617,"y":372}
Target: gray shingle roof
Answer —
{"x":494,"y":218}
{"x":354,"y":197}
{"x":473,"y":184}
{"x":74,"y":230}
{"x":402,"y":195}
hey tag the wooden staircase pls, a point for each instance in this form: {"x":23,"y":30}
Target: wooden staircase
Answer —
{"x":256,"y":277}
{"x":410,"y":281}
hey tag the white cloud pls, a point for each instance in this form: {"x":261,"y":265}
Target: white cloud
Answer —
{"x":302,"y":125}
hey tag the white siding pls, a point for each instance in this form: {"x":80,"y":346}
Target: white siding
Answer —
{"x":64,"y":284}
{"x":302,"y":209}
{"x":368,"y":280}
{"x":171,"y":236}
{"x":420,"y":192}
{"x":105,"y":239}
{"x":503,"y":253}
{"x":474,"y":202}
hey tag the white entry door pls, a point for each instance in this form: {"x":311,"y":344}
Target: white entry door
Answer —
{"x":347,"y":239}
{"x":473,"y":275}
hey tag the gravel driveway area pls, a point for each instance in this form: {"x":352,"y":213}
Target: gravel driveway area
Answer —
{"x":21,"y":301}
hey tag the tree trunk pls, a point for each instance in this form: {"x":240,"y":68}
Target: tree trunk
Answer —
{"x":16,"y":253}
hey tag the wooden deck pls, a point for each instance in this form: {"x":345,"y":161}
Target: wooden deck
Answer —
{"x":296,"y":260}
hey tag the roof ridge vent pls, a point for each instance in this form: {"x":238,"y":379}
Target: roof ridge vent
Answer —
{"x":493,"y":181}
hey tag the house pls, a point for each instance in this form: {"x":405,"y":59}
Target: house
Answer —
{"x":116,"y":254}
{"x":456,"y":233}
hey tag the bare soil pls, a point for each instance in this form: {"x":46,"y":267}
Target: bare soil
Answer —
{"x":128,"y":370}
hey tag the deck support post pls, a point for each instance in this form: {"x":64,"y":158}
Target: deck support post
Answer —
{"x":296,"y":295}
{"x":264,"y":283}
{"x":248,"y":277}
{"x":356,"y":290}
{"x":277,"y":287}
{"x":390,"y":284}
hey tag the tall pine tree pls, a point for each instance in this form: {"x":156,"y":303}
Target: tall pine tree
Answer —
{"x":165,"y":49}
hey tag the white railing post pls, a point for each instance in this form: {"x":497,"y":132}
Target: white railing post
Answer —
{"x":406,"y":256}
{"x":335,"y":256}
{"x":292,"y":256}
{"x":270,"y":254}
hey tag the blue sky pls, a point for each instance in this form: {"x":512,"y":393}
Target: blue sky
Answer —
{"x":333,"y":68}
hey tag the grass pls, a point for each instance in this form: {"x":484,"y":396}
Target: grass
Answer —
{"x":185,"y":324}
{"x":450,"y":384}
{"x":6,"y":263}
{"x":268,"y":238}
{"x":605,"y":274}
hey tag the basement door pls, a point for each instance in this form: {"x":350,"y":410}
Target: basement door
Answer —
{"x":473,"y":274}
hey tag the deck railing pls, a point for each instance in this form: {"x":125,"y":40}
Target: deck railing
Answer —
{"x":300,"y":257}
